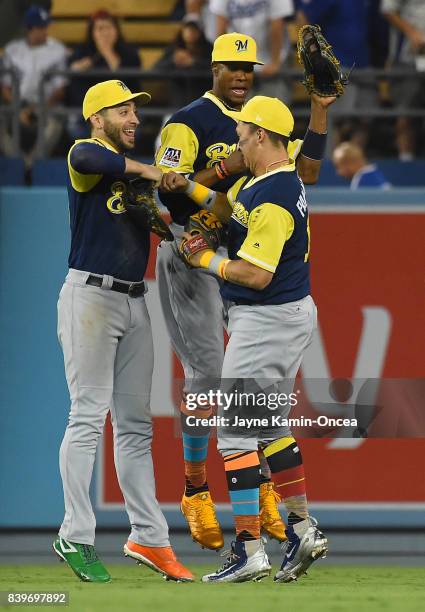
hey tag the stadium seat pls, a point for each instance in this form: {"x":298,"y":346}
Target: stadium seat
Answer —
{"x":149,"y":56}
{"x":120,"y":8}
{"x":50,"y":172}
{"x":12,"y":171}
{"x":73,"y":31}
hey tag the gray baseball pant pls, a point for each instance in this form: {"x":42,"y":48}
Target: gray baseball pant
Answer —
{"x":265,"y":348}
{"x":107,"y":344}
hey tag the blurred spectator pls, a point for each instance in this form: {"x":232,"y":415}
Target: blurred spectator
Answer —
{"x":199,"y":11}
{"x":344,"y":24}
{"x":12,"y":12}
{"x":264,"y":21}
{"x":190,"y":51}
{"x":106,"y":50}
{"x":408,"y":18}
{"x":350,"y":162}
{"x":31,"y":57}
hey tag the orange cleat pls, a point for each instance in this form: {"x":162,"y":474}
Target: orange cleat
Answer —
{"x":160,"y":559}
{"x":199,"y":512}
{"x":270,"y":519}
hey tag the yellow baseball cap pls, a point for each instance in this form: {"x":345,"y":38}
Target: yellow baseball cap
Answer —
{"x":235,"y":47}
{"x":268,"y":113}
{"x":109,"y":93}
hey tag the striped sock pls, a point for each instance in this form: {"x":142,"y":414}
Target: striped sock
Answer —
{"x":243,"y":481}
{"x":195,"y":450}
{"x":286,"y":465}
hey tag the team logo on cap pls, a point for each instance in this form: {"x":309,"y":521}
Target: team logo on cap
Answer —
{"x":241,"y":45}
{"x":123,"y":86}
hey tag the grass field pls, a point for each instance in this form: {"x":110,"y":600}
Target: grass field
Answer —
{"x":330,"y":589}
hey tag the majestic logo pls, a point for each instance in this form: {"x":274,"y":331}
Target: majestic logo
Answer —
{"x":171,"y":157}
{"x":123,"y":86}
{"x":256,"y":245}
{"x":241,"y":45}
{"x":218,"y":151}
{"x":115,"y":203}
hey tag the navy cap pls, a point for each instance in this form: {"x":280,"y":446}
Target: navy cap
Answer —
{"x":36,"y":17}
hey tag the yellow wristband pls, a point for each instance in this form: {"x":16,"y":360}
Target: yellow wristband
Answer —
{"x":205,"y":259}
{"x":201,"y":195}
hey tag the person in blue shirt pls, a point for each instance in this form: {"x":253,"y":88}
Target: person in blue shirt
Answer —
{"x":344,"y":24}
{"x":350,"y":162}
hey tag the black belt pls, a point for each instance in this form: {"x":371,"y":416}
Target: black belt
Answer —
{"x":133,"y":290}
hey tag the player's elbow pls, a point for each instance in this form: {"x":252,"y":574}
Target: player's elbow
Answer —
{"x":309,"y":172}
{"x":261,"y":279}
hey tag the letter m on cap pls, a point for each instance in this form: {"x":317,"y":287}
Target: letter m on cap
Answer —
{"x":241,"y":45}
{"x":123,"y":86}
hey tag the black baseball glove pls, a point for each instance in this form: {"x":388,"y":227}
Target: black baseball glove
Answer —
{"x":140,"y":204}
{"x":322,"y":72}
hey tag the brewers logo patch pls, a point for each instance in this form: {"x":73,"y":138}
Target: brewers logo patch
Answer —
{"x":171,"y":157}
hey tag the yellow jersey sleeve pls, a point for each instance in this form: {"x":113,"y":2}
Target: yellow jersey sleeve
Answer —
{"x":294,"y":148}
{"x":232,"y":193}
{"x":269,"y":227}
{"x":84,"y":182}
{"x":178,"y":149}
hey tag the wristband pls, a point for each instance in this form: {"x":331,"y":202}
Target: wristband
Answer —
{"x":201,"y":195}
{"x":314,"y":145}
{"x":215,"y":263}
{"x":221,"y":170}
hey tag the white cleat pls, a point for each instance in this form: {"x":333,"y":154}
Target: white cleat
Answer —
{"x":246,"y":561}
{"x":301,"y":551}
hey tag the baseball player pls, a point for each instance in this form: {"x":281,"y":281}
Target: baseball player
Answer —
{"x":105,"y":333}
{"x":271,"y":320}
{"x":200,"y":141}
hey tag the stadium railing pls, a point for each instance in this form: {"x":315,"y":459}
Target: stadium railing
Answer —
{"x":182,"y":81}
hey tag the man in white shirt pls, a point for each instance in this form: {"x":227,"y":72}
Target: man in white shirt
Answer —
{"x":31,"y":57}
{"x":264,"y":21}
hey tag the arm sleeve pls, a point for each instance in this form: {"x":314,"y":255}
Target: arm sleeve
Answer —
{"x":269,"y":227}
{"x":178,"y":149}
{"x":90,"y":158}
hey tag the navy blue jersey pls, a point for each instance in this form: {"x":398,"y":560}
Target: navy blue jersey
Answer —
{"x":103,"y":238}
{"x":194,"y":138}
{"x":269,"y":227}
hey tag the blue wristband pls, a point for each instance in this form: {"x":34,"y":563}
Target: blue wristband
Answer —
{"x":314,"y":145}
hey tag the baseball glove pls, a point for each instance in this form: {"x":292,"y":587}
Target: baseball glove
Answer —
{"x":322,"y":72}
{"x":139,"y":202}
{"x":206,"y":233}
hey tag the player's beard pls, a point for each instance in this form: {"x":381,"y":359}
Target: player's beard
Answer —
{"x":114,"y":135}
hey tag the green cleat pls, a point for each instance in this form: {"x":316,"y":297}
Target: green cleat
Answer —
{"x":82,"y":559}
